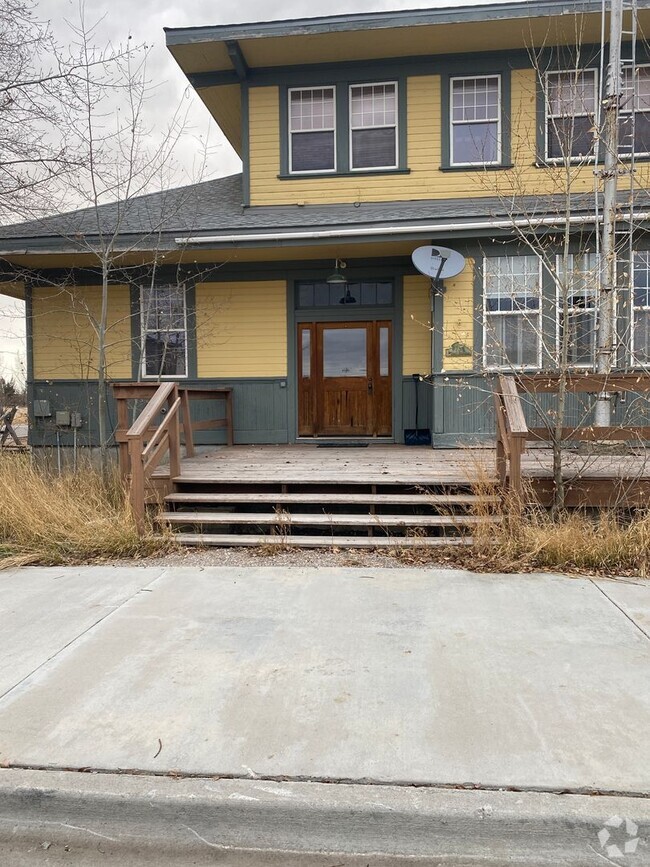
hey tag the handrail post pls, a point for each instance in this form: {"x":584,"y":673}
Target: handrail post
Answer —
{"x":136,"y":491}
{"x":174,"y":436}
{"x":516,"y":482}
{"x":188,"y":433}
{"x":501,"y":467}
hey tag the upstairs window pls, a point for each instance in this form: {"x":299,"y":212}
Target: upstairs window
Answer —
{"x":571,"y":113}
{"x":373,"y":126}
{"x":164,"y":331}
{"x":634,"y":114}
{"x":475,"y":121}
{"x":312,"y":130}
{"x":512,"y":312}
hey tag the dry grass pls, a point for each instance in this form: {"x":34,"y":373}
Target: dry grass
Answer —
{"x":75,"y":518}
{"x":605,"y":542}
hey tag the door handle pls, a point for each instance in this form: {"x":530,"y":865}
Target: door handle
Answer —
{"x":370,"y":386}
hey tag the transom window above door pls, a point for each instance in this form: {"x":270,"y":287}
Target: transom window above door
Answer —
{"x":365,"y":293}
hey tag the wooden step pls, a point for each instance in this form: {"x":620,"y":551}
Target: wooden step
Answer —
{"x":336,"y":499}
{"x":232,"y":540}
{"x":287,"y":520}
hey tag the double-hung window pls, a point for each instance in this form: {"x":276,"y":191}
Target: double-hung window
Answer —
{"x":634,"y":114}
{"x":373,"y":126}
{"x":512,"y":323}
{"x":475,"y":119}
{"x":580,"y":286}
{"x":571,"y":99}
{"x":164,"y":331}
{"x":312,"y":130}
{"x":641,"y":310}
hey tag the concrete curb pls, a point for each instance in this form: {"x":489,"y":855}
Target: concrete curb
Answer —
{"x":60,"y":817}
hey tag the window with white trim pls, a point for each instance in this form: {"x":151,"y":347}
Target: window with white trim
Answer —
{"x":373,"y":126}
{"x":163,"y":312}
{"x":312,"y":130}
{"x":641,"y":310}
{"x":581,"y":287}
{"x":634,"y":113}
{"x":571,"y":113}
{"x":512,"y":312}
{"x":475,"y":119}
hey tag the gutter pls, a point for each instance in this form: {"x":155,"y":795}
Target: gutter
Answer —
{"x":379,"y":231}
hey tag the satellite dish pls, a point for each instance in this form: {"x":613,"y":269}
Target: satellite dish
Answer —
{"x":439,"y":263}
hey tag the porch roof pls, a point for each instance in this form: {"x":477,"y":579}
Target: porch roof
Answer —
{"x":211,"y":215}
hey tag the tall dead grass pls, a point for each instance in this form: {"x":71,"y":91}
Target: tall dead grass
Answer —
{"x":78,"y":517}
{"x":604,"y":541}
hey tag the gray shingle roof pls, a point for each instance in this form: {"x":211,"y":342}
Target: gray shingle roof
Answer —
{"x":215,"y":207}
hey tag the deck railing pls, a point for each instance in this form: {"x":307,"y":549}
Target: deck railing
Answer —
{"x":512,"y":429}
{"x":159,"y":430}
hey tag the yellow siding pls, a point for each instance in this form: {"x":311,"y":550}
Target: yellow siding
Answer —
{"x":64,"y":340}
{"x":459,"y":315}
{"x":425,"y":180}
{"x":241,"y":329}
{"x":416,"y":356}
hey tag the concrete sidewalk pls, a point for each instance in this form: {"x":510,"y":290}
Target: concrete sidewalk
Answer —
{"x":345,"y":683}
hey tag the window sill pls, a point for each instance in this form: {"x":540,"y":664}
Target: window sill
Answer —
{"x":558,"y":162}
{"x":360,"y":173}
{"x":501,"y":167}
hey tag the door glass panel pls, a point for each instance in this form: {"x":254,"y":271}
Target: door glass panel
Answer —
{"x":306,"y":353}
{"x":384,"y":365}
{"x":344,"y":352}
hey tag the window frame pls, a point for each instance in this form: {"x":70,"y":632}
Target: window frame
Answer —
{"x":548,"y":116}
{"x":538,"y":313}
{"x":290,"y":133}
{"x":144,"y":331}
{"x":499,"y":120}
{"x":635,"y":362}
{"x":577,"y":365}
{"x":394,"y":126}
{"x":625,"y":112}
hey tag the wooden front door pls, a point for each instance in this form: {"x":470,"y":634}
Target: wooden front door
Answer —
{"x":345,"y":375}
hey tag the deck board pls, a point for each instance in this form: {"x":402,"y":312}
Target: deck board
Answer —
{"x":385,"y":465}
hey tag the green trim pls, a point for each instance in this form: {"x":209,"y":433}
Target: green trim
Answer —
{"x":331,"y":24}
{"x":472,"y":68}
{"x":341,"y":84}
{"x":245,"y":142}
{"x":500,"y":168}
{"x":29,"y":330}
{"x":237,"y":58}
{"x":347,"y":174}
{"x":393,"y":314}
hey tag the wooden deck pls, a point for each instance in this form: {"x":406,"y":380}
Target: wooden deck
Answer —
{"x":591,"y":479}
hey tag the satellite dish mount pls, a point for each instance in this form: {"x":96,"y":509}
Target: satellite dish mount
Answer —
{"x":439,"y":263}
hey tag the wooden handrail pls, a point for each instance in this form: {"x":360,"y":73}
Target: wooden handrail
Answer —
{"x":512,"y":433}
{"x":151,"y":410}
{"x":143,"y":443}
{"x":146,"y":449}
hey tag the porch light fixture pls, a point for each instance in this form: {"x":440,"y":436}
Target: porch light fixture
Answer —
{"x":337,"y":279}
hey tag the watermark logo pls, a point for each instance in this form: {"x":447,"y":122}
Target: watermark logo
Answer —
{"x":619,"y":837}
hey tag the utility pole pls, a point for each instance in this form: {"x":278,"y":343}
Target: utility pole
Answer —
{"x":606,"y":329}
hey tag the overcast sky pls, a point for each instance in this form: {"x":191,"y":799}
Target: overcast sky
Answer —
{"x":144,"y":21}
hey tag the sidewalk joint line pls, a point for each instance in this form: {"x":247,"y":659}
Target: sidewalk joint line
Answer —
{"x":77,"y":637}
{"x":334,"y":781}
{"x":622,"y":610}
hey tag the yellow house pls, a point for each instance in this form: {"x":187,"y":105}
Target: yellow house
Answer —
{"x":362,"y":138}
